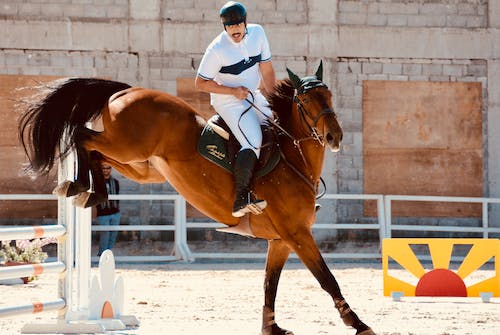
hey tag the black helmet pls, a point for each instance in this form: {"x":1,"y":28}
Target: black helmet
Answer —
{"x":233,"y":13}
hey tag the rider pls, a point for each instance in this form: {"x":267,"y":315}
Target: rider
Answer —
{"x":230,"y":71}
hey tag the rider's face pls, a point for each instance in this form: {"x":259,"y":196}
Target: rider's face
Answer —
{"x":236,"y":31}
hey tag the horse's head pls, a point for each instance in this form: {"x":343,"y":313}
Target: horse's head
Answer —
{"x":314,"y":105}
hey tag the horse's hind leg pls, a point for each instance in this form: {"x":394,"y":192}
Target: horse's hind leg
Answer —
{"x":81,"y":182}
{"x":277,"y":255}
{"x":100,"y":194}
{"x":305,"y":247}
{"x":85,"y":162}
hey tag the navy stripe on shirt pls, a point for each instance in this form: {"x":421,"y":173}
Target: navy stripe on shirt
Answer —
{"x":241,"y":66}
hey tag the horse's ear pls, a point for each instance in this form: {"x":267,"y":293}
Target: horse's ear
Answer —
{"x":319,"y":71}
{"x":296,"y":82}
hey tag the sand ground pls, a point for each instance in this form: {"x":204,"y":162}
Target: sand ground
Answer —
{"x":226,"y":298}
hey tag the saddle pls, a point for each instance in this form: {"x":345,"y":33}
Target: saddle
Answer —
{"x":219,"y":145}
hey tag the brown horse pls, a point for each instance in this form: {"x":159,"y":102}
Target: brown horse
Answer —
{"x":151,"y":137}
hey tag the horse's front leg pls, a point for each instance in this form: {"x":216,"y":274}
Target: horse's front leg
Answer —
{"x":303,"y":244}
{"x":277,"y":255}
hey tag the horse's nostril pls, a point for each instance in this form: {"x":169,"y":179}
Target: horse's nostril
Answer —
{"x":329,"y":137}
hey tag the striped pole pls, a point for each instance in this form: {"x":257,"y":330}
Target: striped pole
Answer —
{"x":29,"y":270}
{"x":28,"y":233}
{"x":33,"y":308}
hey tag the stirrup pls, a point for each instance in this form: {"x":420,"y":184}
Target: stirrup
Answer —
{"x":254,"y":207}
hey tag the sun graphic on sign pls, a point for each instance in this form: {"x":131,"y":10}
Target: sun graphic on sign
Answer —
{"x":441,"y":280}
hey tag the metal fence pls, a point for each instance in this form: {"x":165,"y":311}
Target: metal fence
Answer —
{"x":485,"y":229}
{"x":181,"y":226}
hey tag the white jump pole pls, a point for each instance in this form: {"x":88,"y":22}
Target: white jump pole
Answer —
{"x":65,"y":254}
{"x":83,"y":306}
{"x":21,"y":233}
{"x":30,"y":270}
{"x":90,"y":307}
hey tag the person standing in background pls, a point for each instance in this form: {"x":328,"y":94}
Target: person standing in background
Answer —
{"x":108,"y":213}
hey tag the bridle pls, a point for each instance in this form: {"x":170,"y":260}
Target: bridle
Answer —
{"x":311,"y":130}
{"x":304,"y":113}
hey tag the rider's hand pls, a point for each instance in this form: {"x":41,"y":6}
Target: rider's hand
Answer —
{"x":240,"y":92}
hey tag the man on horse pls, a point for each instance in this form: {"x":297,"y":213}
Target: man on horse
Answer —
{"x":230,"y":71}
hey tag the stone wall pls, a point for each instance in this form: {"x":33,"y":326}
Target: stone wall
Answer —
{"x":153,"y":42}
{"x":351,"y":72}
{"x":417,"y":13}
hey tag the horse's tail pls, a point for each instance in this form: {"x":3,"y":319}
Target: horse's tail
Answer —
{"x":68,"y":103}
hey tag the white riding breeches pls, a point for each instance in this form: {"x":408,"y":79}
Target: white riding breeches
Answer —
{"x":245,"y":121}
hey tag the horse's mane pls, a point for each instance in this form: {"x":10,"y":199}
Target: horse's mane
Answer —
{"x":282,"y":99}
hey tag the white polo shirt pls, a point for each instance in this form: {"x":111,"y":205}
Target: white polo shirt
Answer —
{"x":235,"y":64}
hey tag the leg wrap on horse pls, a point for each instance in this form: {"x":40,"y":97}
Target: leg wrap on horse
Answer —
{"x":243,"y":172}
{"x":350,"y":318}
{"x":269,"y":325}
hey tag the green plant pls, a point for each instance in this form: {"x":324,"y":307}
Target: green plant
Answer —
{"x":25,"y":251}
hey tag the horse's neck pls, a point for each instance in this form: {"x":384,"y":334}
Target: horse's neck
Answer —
{"x":309,"y":154}
{"x":314,"y":154}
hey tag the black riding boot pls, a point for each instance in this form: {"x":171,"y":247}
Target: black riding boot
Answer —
{"x":243,"y":171}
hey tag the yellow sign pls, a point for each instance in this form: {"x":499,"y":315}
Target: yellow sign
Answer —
{"x":441,"y":280}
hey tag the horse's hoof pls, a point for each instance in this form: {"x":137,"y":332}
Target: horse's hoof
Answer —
{"x":81,"y":199}
{"x":274,"y":329}
{"x":279,"y":332}
{"x":88,"y":199}
{"x":95,"y":199}
{"x":69,"y":189}
{"x":269,"y":325}
{"x":369,"y":331}
{"x":61,"y":190}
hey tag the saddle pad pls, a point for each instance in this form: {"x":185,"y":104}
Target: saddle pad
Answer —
{"x":214,"y":148}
